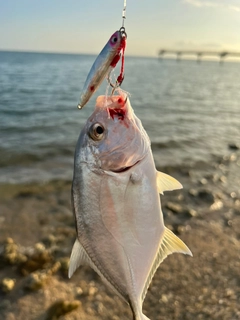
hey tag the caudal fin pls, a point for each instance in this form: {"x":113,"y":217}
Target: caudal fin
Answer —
{"x":137,"y":311}
{"x":141,"y":317}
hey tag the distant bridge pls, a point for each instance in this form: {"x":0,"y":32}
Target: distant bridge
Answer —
{"x":198,"y":54}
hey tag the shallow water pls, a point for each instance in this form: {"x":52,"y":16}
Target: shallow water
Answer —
{"x":190,"y":111}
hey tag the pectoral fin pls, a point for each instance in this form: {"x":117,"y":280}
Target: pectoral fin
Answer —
{"x":170,"y":243}
{"x":167,"y":183}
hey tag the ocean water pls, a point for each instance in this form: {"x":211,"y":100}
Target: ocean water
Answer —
{"x":190,"y":110}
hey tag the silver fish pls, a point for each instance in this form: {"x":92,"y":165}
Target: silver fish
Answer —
{"x":103,"y":65}
{"x":115,"y":196}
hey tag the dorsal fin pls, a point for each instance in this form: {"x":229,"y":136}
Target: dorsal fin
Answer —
{"x":170,"y":243}
{"x":167,"y":183}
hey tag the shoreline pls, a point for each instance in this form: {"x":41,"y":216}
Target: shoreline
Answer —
{"x":37,"y":231}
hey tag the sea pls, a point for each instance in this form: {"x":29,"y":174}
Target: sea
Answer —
{"x":190,"y":110}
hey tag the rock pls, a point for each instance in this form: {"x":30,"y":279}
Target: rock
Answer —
{"x":223,"y":179}
{"x":4,"y":304}
{"x":193,"y":192}
{"x":191,"y":212}
{"x":7,"y":284}
{"x":92,"y":289}
{"x":166,"y":297}
{"x":50,"y":240}
{"x":233,"y":146}
{"x":174,"y":207}
{"x":79,"y":291}
{"x":54,"y":269}
{"x":233,"y":157}
{"x":233,"y":195}
{"x":181,"y":229}
{"x":60,"y":308}
{"x":64,"y":265}
{"x":217,"y":205}
{"x":39,"y":259}
{"x":203,"y":181}
{"x":36,"y":280}
{"x":10,"y":253}
{"x":39,"y":247}
{"x":206,"y":195}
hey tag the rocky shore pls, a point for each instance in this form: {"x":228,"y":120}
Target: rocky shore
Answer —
{"x":37,"y":232}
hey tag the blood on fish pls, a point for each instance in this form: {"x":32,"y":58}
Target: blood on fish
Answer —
{"x":92,"y":88}
{"x":120,"y":113}
{"x":120,"y":100}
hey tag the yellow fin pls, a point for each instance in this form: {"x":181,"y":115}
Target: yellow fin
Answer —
{"x":167,"y":183}
{"x":170,"y":243}
{"x":78,"y":257}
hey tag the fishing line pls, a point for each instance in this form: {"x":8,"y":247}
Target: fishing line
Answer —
{"x":124,"y":12}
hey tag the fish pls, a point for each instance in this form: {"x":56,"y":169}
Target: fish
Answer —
{"x":105,"y":62}
{"x":116,"y":203}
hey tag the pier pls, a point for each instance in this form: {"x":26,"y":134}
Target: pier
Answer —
{"x":199,"y":54}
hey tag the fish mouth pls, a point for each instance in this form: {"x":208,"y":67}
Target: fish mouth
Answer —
{"x":124,"y":169}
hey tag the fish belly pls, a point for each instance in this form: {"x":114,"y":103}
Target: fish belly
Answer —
{"x":120,"y":225}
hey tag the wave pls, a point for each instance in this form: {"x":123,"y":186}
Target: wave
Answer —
{"x":22,"y":159}
{"x":174,"y":143}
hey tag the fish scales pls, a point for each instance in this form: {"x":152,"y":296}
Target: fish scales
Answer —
{"x":115,"y":194}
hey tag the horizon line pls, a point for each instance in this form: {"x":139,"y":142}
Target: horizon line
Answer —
{"x":230,"y":59}
{"x":71,"y":53}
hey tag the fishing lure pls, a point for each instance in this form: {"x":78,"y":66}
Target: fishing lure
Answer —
{"x":105,"y":62}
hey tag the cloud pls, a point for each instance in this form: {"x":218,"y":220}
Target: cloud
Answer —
{"x":234,"y":8}
{"x":211,"y":4}
{"x":198,"y":3}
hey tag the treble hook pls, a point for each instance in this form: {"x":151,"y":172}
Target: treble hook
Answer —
{"x":117,"y":84}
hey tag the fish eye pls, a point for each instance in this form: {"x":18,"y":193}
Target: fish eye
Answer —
{"x":96,"y":131}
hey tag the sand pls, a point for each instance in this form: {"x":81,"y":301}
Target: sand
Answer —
{"x":37,"y":232}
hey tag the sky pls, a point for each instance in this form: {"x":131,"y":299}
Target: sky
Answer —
{"x":78,"y":26}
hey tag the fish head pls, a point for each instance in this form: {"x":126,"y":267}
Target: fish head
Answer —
{"x":113,"y":138}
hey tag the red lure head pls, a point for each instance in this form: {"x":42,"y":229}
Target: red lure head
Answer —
{"x":121,"y":49}
{"x":115,"y":39}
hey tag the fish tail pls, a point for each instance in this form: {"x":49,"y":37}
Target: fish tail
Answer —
{"x":137,"y":313}
{"x":140,"y":317}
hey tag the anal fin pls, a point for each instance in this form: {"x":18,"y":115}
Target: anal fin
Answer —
{"x":78,"y":258}
{"x":170,"y":243}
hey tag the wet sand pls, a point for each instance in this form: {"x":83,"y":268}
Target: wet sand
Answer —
{"x":37,"y":232}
